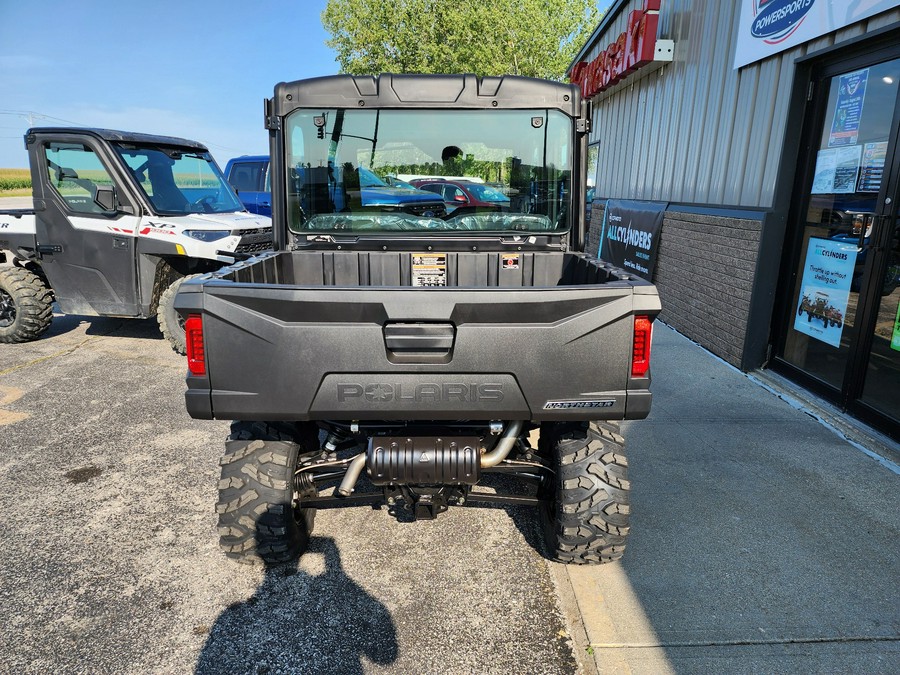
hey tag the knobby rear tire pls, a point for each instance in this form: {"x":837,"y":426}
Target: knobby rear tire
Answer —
{"x":261,"y":519}
{"x":585,"y":519}
{"x":170,"y":323}
{"x":26,"y":305}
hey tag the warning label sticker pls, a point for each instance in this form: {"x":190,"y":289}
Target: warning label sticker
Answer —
{"x":429,"y":269}
{"x":510,"y":261}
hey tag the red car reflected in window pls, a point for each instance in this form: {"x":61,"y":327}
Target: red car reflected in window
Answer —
{"x":461,"y":193}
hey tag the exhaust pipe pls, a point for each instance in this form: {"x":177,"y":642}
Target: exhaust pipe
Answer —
{"x":357,"y":464}
{"x":504,"y":445}
{"x":488,"y":459}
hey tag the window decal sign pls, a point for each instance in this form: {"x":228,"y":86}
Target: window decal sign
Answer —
{"x":768,"y":27}
{"x":836,"y":170}
{"x":872,"y":167}
{"x":825,"y":289}
{"x":848,"y":109}
{"x":895,"y":336}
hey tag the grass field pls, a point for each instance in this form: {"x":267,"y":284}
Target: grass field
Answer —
{"x":15,"y":183}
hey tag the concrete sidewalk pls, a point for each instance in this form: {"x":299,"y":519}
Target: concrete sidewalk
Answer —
{"x":761,"y":541}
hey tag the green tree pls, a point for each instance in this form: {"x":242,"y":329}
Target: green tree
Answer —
{"x":535,"y":38}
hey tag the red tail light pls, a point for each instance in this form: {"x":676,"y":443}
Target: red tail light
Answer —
{"x":193,"y":335}
{"x":640,"y":355}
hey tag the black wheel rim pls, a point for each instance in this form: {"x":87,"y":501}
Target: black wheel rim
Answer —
{"x":7,"y":310}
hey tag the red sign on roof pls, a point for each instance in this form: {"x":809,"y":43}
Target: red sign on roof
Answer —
{"x":633,"y":50}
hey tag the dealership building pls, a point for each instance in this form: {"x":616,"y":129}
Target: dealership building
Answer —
{"x":765,"y":131}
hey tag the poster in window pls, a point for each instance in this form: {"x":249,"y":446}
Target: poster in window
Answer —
{"x":848,"y":109}
{"x":837,"y":170}
{"x":895,"y":336}
{"x":872,"y":167}
{"x":825,"y":289}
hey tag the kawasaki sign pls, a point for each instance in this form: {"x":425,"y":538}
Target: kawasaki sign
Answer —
{"x":632,"y":50}
{"x":768,"y":27}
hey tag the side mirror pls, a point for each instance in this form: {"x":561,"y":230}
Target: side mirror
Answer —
{"x":105,"y":198}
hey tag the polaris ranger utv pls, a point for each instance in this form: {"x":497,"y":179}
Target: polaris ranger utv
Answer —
{"x":379,"y":357}
{"x":120,"y":220}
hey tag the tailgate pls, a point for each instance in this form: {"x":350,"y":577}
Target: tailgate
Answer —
{"x":288,"y":353}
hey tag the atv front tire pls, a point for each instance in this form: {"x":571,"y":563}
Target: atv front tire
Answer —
{"x":586,"y":513}
{"x":26,"y":305}
{"x":260,"y":515}
{"x":170,"y":323}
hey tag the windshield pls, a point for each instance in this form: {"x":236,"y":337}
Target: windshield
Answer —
{"x":178,"y":181}
{"x":489,"y":170}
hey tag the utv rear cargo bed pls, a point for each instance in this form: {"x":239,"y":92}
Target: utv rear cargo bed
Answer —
{"x":345,"y":335}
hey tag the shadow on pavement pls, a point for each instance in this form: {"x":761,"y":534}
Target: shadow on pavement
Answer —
{"x":144,"y":329}
{"x":299,"y":621}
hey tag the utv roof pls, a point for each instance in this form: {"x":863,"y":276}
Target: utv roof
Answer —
{"x":425,"y":91}
{"x":118,"y":136}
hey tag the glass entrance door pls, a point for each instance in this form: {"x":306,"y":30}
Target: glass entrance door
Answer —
{"x":840,"y":333}
{"x":881,"y":383}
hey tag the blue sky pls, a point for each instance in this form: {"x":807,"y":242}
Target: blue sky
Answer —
{"x":192,"y":68}
{"x":198,"y":69}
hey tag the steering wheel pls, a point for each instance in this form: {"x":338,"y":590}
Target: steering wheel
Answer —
{"x":206,"y":203}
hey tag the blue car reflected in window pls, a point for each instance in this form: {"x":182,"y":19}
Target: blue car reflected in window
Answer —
{"x":250,"y":177}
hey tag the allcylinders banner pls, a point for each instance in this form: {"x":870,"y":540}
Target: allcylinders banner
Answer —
{"x":630,"y":237}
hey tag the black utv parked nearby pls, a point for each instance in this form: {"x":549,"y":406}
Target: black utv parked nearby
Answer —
{"x":379,"y":357}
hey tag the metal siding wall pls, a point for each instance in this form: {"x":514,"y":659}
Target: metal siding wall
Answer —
{"x":760,"y":141}
{"x":883,"y":20}
{"x":696,"y":130}
{"x":638,"y":123}
{"x":742,"y":126}
{"x":645,"y":173}
{"x":785,"y":67}
{"x":716,"y":106}
{"x":686,"y":128}
{"x":709,"y":48}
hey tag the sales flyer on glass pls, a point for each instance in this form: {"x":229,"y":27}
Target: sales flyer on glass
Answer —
{"x":872,"y":167}
{"x":836,"y":170}
{"x":848,"y":109}
{"x":825,"y":289}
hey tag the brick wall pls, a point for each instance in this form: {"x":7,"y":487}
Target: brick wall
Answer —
{"x":704,"y":273}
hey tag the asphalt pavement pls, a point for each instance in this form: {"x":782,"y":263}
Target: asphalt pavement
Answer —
{"x":111,"y":564}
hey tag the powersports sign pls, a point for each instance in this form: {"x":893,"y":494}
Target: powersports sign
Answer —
{"x":630,"y":235}
{"x":768,"y":27}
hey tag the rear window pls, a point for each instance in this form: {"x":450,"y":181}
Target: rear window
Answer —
{"x":333,"y":154}
{"x":245,"y":176}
